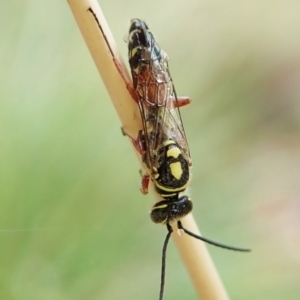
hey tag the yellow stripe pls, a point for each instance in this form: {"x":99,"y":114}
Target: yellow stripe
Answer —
{"x":164,"y":221}
{"x":174,"y":190}
{"x":168,"y":195}
{"x":134,"y":51}
{"x":160,"y":206}
{"x":169,"y":142}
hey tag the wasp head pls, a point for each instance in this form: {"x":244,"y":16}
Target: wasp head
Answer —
{"x":170,"y":210}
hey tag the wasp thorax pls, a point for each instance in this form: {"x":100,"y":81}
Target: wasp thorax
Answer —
{"x":167,"y":211}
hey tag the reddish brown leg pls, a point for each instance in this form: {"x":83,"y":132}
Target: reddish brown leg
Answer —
{"x":144,"y":183}
{"x":138,"y":143}
{"x":182,"y":101}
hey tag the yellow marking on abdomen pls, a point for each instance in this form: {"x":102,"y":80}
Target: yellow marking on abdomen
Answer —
{"x":173,"y":152}
{"x":176,"y":170}
{"x":134,"y":51}
{"x":167,"y":195}
{"x":169,"y":142}
{"x":171,"y":190}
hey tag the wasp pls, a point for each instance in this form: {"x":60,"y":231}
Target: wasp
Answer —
{"x":162,"y":141}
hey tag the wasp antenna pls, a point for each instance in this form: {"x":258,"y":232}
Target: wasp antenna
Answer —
{"x":179,"y":224}
{"x":163,"y":263}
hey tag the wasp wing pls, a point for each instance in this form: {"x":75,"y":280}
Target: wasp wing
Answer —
{"x":160,"y":114}
{"x":172,"y":123}
{"x":155,"y":92}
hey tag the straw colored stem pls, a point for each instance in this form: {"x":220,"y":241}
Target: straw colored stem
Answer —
{"x":102,"y":47}
{"x":199,"y":263}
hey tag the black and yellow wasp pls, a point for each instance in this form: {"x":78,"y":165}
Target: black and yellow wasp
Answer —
{"x":162,"y":142}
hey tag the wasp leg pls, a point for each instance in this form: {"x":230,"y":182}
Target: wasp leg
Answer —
{"x":128,"y":84}
{"x":182,"y":101}
{"x":139,"y":143}
{"x":139,"y":146}
{"x":144,"y":182}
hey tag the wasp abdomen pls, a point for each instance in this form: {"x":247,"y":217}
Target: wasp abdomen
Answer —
{"x":173,"y":172}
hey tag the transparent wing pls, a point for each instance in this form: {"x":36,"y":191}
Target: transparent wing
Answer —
{"x":172,"y":123}
{"x":155,"y":93}
{"x":160,"y":112}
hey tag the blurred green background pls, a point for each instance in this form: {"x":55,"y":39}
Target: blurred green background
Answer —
{"x":73,"y":224}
